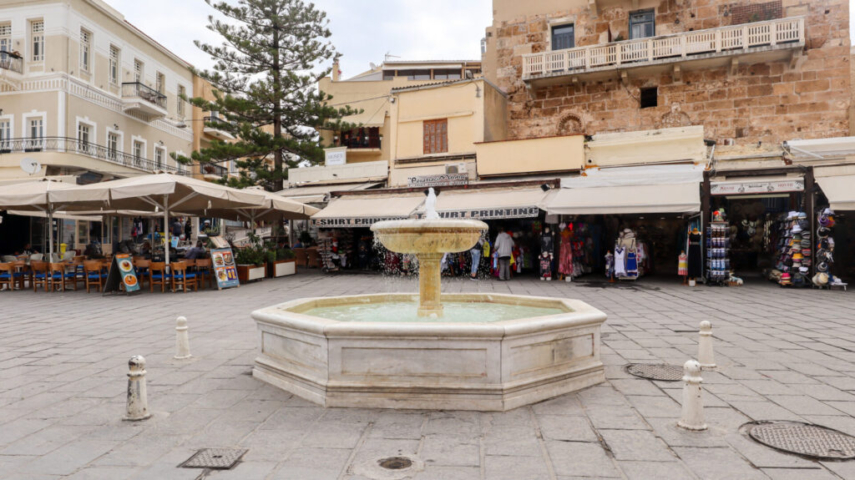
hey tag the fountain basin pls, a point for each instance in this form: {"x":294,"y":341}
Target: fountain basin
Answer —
{"x":428,"y":236}
{"x":431,"y":364}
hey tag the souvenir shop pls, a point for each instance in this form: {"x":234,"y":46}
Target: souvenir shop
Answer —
{"x":631,"y":222}
{"x":762,"y":224}
{"x":835,"y":266}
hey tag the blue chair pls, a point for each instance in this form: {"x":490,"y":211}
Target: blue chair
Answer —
{"x":94,"y":274}
{"x":8,"y":276}
{"x":61,"y":277}
{"x":182,"y":278}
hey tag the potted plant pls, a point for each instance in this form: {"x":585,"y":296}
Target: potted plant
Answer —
{"x":250,"y":264}
{"x":283,"y":263}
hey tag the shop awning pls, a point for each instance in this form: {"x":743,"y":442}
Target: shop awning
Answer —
{"x":631,"y":190}
{"x":491,"y":203}
{"x":839,"y":190}
{"x":366,"y":210}
{"x":768,"y":185}
{"x":319,"y":193}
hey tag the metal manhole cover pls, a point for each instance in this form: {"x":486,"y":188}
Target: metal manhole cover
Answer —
{"x":665,"y":373}
{"x":803,"y":439}
{"x":215,"y":458}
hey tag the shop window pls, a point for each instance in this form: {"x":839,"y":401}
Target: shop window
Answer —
{"x":642,"y":24}
{"x":436,"y":136}
{"x":649,"y":97}
{"x":563,"y":37}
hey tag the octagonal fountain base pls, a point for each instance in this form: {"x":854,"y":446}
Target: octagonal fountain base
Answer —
{"x":431,"y":364}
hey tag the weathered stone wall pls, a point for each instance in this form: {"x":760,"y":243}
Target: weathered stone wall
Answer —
{"x":808,"y":97}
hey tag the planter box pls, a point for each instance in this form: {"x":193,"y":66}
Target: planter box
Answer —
{"x":282,"y":268}
{"x":250,"y":273}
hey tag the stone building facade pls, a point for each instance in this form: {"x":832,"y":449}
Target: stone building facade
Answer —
{"x":766,"y":93}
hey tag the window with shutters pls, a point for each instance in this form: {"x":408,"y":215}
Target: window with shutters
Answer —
{"x":38,"y":38}
{"x":160,"y":82}
{"x":139,"y":153}
{"x":159,"y":155}
{"x":436,"y":136}
{"x":138,"y":71}
{"x":83,"y":137}
{"x":5,"y":39}
{"x":112,"y":146}
{"x":563,"y":37}
{"x":85,"y":50}
{"x":181,"y":92}
{"x":642,"y":24}
{"x":5,"y":136}
{"x":114,"y":65}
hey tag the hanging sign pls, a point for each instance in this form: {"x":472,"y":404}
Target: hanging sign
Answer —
{"x":336,"y":156}
{"x":444,"y":180}
{"x":122,"y":274}
{"x":744,"y":188}
{"x":224,"y":268}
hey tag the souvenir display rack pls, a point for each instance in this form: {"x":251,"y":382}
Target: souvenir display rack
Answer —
{"x":718,"y":253}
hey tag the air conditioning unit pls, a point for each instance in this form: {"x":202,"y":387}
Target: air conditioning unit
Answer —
{"x":455,"y":168}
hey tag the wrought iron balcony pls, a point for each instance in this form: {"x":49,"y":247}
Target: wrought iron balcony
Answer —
{"x":75,"y":146}
{"x":144,"y":100}
{"x":10,"y":61}
{"x":213,"y":171}
{"x":781,"y":34}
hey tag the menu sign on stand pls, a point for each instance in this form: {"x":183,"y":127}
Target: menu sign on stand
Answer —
{"x":224,"y":268}
{"x":122,"y":273}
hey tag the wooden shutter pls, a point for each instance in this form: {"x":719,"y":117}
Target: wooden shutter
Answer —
{"x":436,"y":136}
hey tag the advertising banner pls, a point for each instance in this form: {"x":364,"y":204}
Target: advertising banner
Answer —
{"x":224,"y":268}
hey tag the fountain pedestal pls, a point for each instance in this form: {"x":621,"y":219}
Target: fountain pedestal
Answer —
{"x":430,"y":265}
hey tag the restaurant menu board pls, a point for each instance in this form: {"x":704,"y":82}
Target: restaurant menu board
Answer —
{"x":224,"y":268}
{"x":122,"y":273}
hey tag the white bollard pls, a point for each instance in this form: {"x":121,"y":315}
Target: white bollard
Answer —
{"x":182,"y":339}
{"x":705,"y":350}
{"x":692,"y":417}
{"x":137,"y":401}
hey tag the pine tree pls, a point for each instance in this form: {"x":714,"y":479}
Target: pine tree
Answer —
{"x":264,"y":80}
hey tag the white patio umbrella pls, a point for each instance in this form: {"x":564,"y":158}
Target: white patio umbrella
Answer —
{"x":275,"y":207}
{"x":35,"y":197}
{"x":160,"y":193}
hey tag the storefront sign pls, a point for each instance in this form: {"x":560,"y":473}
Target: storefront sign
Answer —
{"x":350,"y":222}
{"x":492,"y":213}
{"x":445,"y":180}
{"x":744,"y":188}
{"x":224,"y":268}
{"x":336,"y":156}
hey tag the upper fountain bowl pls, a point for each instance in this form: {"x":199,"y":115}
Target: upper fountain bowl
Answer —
{"x":429,"y":236}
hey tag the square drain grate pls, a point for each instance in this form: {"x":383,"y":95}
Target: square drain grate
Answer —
{"x":215,"y":458}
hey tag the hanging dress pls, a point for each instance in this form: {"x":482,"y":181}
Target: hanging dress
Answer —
{"x":683,"y":265}
{"x":565,"y":260}
{"x":695,"y":259}
{"x":620,"y":262}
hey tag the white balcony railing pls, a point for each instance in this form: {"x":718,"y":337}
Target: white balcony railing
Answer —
{"x":633,"y":53}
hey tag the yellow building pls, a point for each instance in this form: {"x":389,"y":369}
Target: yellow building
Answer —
{"x":84,"y":92}
{"x":205,"y":131}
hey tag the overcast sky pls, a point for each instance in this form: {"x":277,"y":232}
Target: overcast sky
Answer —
{"x":363,"y":31}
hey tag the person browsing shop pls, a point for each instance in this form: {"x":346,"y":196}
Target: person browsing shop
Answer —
{"x":504,"y":249}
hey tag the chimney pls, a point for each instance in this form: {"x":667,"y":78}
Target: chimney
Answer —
{"x":336,"y":72}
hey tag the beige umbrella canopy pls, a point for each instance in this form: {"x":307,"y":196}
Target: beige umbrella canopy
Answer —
{"x":162,"y":193}
{"x":275,"y":207}
{"x":35,"y":197}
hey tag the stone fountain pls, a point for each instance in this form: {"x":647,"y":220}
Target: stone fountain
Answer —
{"x":485,"y":352}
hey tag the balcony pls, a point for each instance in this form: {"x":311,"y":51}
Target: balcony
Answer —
{"x":217,"y":127}
{"x":11,"y":71}
{"x":73,"y":146}
{"x":212,"y":171}
{"x":760,"y":41}
{"x":143,"y":100}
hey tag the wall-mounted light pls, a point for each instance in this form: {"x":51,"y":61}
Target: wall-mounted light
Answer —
{"x":160,"y":142}
{"x":115,"y":126}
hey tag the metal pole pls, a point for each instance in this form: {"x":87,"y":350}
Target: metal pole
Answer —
{"x":50,"y":233}
{"x":166,"y":227}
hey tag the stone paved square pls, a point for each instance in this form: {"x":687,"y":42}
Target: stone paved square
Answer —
{"x":781,"y":355}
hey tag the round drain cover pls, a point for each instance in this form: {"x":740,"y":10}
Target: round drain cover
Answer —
{"x":665,"y":373}
{"x":396,"y":463}
{"x":804,"y":439}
